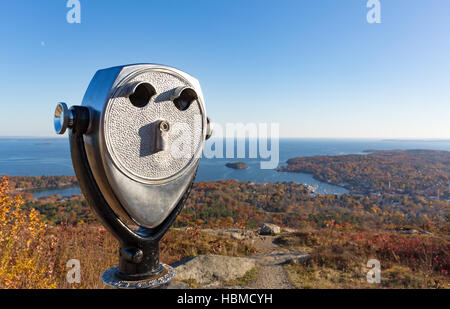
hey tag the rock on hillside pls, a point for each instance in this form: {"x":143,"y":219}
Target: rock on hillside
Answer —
{"x":269,"y":229}
{"x":207,"y":269}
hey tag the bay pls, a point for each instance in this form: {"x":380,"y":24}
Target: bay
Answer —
{"x":51,"y":156}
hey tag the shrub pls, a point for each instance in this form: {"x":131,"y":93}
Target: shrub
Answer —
{"x":22,"y":245}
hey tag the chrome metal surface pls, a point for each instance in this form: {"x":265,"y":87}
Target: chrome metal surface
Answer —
{"x":62,"y":119}
{"x":159,"y":130}
{"x":128,"y":129}
{"x":125,"y":143}
{"x":137,"y":183}
{"x":168,"y":273}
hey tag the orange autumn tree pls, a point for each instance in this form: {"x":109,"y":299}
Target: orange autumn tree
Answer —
{"x":21,"y":244}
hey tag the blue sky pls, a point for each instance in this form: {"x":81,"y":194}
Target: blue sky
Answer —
{"x":316,"y":67}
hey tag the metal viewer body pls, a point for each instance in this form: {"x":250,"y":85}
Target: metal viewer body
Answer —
{"x":121,"y":140}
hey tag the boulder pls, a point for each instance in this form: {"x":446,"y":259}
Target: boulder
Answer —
{"x":269,"y":229}
{"x":208,"y":269}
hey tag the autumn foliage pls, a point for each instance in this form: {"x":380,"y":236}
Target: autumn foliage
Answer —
{"x":35,"y":255}
{"x":338,"y":259}
{"x":21,"y":245}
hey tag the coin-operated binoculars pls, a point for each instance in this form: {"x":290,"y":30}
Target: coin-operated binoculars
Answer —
{"x":136,"y":141}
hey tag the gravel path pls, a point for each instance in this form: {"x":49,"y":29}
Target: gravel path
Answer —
{"x":271,"y":277}
{"x":270,"y":260}
{"x":271,"y":273}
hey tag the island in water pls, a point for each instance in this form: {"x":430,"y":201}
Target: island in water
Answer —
{"x":237,"y":165}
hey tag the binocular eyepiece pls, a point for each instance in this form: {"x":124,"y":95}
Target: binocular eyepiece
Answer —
{"x":136,"y":141}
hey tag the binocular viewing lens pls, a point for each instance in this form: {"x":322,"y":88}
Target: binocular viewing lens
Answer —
{"x":186,"y":97}
{"x":61,"y":119}
{"x":58,"y":120}
{"x":142,"y":94}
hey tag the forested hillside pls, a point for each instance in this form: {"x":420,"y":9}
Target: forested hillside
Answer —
{"x":245,"y":204}
{"x":413,"y":172}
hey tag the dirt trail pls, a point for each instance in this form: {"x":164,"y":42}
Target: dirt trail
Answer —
{"x":271,"y":273}
{"x":269,"y":259}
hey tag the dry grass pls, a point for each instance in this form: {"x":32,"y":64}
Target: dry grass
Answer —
{"x":97,"y":250}
{"x":245,"y":280}
{"x":338,"y":259}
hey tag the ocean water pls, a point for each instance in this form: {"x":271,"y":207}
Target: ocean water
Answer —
{"x":51,"y":156}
